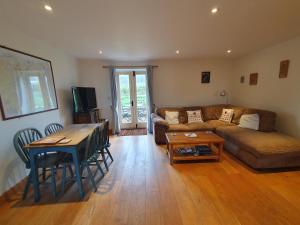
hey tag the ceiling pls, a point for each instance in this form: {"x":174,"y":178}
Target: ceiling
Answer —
{"x":155,"y":29}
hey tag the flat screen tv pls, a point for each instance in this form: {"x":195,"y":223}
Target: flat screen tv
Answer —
{"x":84,"y":99}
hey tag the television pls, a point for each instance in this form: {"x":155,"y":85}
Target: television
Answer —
{"x":84,"y":99}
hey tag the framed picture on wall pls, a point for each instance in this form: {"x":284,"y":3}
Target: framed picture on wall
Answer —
{"x":253,"y":79}
{"x":242,"y":79}
{"x":26,"y":84}
{"x":205,"y":78}
{"x":284,"y":68}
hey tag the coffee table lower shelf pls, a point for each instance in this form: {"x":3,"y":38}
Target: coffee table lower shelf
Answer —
{"x":212,"y":156}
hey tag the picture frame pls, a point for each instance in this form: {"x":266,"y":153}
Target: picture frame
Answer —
{"x":253,"y":79}
{"x":284,"y":68}
{"x":27,"y":84}
{"x":242,"y":79}
{"x":205,"y":77}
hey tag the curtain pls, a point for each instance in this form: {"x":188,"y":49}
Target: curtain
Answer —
{"x":114,"y":99}
{"x":149,"y":97}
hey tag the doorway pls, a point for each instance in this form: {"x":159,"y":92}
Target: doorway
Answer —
{"x":132,"y":95}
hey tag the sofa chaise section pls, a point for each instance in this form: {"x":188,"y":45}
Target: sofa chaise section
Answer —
{"x":261,"y":150}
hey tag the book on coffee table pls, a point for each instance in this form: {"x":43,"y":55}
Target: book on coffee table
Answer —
{"x":203,"y":150}
{"x":186,"y":151}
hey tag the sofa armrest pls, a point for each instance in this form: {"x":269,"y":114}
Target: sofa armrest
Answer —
{"x":160,"y":127}
{"x":157,"y":119}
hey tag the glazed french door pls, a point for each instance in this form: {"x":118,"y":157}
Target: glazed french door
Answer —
{"x":132,"y":104}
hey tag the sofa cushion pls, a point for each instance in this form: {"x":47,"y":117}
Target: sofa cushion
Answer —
{"x":182,"y":117}
{"x":162,"y":111}
{"x":227,"y":115}
{"x":194,"y":116}
{"x":250,"y":121}
{"x":212,"y":112}
{"x":260,"y":143}
{"x":191,"y":127}
{"x":218,"y":123}
{"x":208,"y":125}
{"x":172,"y":117}
{"x":267,"y":119}
{"x":237,"y":113}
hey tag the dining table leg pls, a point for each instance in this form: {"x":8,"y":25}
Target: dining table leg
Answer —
{"x":35,"y":178}
{"x":77,"y":171}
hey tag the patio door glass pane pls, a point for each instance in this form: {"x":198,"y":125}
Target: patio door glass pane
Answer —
{"x":141,"y":98}
{"x":126,"y":114}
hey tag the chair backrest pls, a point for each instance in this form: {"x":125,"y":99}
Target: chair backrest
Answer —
{"x":101,"y":137}
{"x":92,"y":144}
{"x":53,"y":128}
{"x":25,"y":137}
{"x":106,"y":133}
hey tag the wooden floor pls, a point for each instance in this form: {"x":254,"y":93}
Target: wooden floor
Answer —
{"x":142,"y":188}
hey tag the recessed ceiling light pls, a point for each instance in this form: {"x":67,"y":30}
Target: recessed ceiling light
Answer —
{"x":100,"y":52}
{"x":48,"y":8}
{"x":214,"y":10}
{"x":228,"y":51}
{"x":177,"y":52}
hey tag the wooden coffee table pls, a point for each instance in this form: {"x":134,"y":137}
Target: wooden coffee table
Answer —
{"x":178,"y":139}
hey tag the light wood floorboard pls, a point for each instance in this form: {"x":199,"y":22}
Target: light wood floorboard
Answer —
{"x":142,"y":188}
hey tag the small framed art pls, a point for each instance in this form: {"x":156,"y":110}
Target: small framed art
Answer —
{"x":253,"y":79}
{"x":284,"y":68}
{"x":242,"y":79}
{"x":205,"y":78}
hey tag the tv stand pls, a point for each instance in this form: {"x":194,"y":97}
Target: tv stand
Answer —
{"x":93,"y":116}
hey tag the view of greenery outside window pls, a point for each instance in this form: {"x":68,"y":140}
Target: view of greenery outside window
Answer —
{"x":126,"y":100}
{"x":141,"y":98}
{"x":37,"y":93}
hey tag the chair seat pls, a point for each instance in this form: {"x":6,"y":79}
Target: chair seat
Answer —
{"x":48,"y":160}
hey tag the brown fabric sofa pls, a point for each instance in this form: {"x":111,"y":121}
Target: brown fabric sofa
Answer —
{"x":260,"y":149}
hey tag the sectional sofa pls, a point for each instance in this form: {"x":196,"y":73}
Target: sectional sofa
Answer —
{"x":262,"y":149}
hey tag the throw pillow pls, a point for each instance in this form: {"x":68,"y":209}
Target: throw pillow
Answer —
{"x":227,"y":115}
{"x":194,"y":116}
{"x":250,"y":121}
{"x":172,"y":117}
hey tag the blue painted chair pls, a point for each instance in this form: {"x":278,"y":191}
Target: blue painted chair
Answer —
{"x":45,"y":161}
{"x":88,"y":157}
{"x":53,"y":128}
{"x":103,"y":146}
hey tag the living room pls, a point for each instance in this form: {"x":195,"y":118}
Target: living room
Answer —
{"x":204,"y":56}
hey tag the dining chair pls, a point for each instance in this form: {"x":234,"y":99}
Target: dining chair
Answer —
{"x":53,"y":128}
{"x":46,"y":161}
{"x":103,"y":147}
{"x":88,"y":157}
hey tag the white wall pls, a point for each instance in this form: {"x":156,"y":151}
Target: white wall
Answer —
{"x":65,"y":75}
{"x":175,"y":82}
{"x":178,"y":82}
{"x":91,"y":74}
{"x":278,"y":95}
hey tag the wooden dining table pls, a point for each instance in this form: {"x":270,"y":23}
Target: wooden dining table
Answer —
{"x":78,"y":133}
